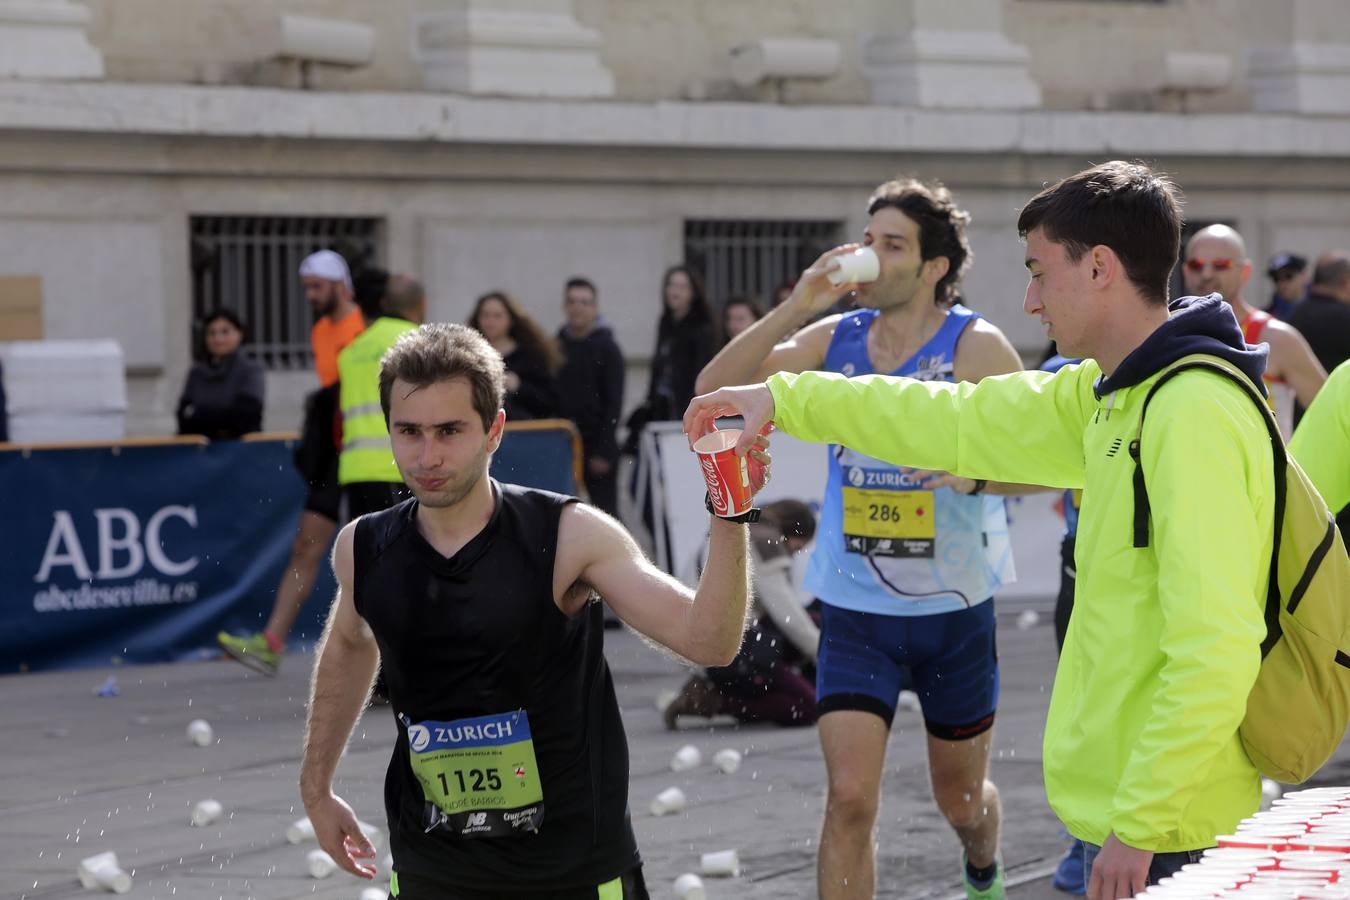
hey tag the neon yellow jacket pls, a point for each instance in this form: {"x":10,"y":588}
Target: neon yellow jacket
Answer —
{"x":1321,"y":444}
{"x":366,"y":455}
{"x":1164,"y":642}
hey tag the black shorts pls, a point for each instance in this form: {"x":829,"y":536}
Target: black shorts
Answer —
{"x":325,"y":495}
{"x":629,"y":886}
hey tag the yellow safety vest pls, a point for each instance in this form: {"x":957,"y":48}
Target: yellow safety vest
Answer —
{"x":366,"y":455}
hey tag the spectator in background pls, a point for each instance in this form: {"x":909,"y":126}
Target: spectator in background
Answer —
{"x":738,"y":314}
{"x":328,"y":288}
{"x":590,"y":388}
{"x":1216,"y":263}
{"x":1289,"y":271}
{"x":223,"y":395}
{"x":1324,"y":317}
{"x":370,"y":480}
{"x":531,"y":358}
{"x":4,"y":409}
{"x":764,"y":683}
{"x":369,"y":286}
{"x":685,"y":342}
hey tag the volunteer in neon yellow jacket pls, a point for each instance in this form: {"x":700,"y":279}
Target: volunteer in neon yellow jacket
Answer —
{"x":1142,"y":756}
{"x":370,"y":481}
{"x":1321,"y":443}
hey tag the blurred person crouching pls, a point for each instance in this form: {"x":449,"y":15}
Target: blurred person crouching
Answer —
{"x":765,"y":683}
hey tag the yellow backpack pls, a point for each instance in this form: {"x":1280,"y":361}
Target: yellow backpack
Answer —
{"x":1299,"y":706}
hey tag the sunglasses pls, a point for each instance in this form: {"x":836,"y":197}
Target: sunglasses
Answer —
{"x":1219,"y":265}
{"x":1287,"y":274}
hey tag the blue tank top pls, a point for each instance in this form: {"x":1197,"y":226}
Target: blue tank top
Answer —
{"x":886,"y":545}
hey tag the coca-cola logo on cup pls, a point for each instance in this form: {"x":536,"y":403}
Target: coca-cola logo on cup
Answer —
{"x":717,"y":490}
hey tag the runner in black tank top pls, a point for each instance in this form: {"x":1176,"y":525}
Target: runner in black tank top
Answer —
{"x":479,"y":634}
{"x":509,"y":776}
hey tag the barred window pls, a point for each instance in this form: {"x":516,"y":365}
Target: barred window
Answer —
{"x":250,"y":265}
{"x":752,"y":257}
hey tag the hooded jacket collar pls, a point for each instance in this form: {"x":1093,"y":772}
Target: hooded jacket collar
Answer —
{"x":1196,"y":325}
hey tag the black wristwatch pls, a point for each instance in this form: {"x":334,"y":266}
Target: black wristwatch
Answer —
{"x":749,"y":517}
{"x":980,"y":485}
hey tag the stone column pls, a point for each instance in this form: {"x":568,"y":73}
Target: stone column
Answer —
{"x":1304,"y":67}
{"x":948,"y":56}
{"x":516,"y":48}
{"x":45,"y":39}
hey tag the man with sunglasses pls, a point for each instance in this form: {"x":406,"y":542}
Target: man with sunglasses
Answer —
{"x":1216,"y":263}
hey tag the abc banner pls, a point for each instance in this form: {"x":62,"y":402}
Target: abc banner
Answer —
{"x":141,"y":554}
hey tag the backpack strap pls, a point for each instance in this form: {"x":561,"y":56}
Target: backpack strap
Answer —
{"x":1278,"y":452}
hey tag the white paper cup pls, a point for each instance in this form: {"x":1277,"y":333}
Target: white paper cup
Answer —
{"x":374,"y":894}
{"x":728,"y":760}
{"x":721,"y":864}
{"x":686,"y":758}
{"x":206,"y":811}
{"x":320,"y":864}
{"x":671,"y":800}
{"x":199,"y":732}
{"x":862,"y":265}
{"x":85,"y":868}
{"x":300,"y":830}
{"x":690,"y":887}
{"x":110,"y":877}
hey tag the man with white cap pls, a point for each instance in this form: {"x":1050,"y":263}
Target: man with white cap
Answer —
{"x":328,"y":287}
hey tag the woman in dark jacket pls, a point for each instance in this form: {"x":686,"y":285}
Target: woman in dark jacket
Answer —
{"x":686,"y":340}
{"x":531,"y":358}
{"x":223,"y":396}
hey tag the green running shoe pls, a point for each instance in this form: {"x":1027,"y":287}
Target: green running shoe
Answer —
{"x":251,"y":650}
{"x":994,"y":891}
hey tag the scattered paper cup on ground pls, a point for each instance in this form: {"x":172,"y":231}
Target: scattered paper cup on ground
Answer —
{"x":85,"y":868}
{"x":690,"y":887}
{"x":686,"y":758}
{"x":204,"y":812}
{"x":671,"y":800}
{"x":665,"y":698}
{"x":1028,"y":619}
{"x":728,"y":760}
{"x":300,"y":830}
{"x":200,"y":733}
{"x":320,"y":864}
{"x":111,"y":878}
{"x":725,"y":473}
{"x":374,"y":894}
{"x":721,"y":864}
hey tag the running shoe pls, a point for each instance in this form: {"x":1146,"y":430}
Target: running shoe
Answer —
{"x":251,"y":650}
{"x":992,"y":891}
{"x":1069,"y":874}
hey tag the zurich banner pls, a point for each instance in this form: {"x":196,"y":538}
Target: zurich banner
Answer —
{"x":143,"y":553}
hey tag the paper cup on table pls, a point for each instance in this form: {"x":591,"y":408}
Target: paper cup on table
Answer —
{"x":721,"y":864}
{"x":726,"y":474}
{"x":862,"y":265}
{"x":300,"y":830}
{"x":320,"y":864}
{"x":686,"y":758}
{"x":690,"y":887}
{"x":728,"y":760}
{"x":204,"y":812}
{"x":671,"y":800}
{"x":199,"y":732}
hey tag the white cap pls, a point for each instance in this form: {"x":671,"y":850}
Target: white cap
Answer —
{"x":328,"y":265}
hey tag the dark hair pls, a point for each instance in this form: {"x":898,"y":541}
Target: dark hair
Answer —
{"x":793,"y":517}
{"x":1332,"y":269}
{"x":525,"y":331}
{"x":369,"y":286}
{"x":698,"y":306}
{"x":441,"y":352}
{"x":1125,"y":206}
{"x":750,"y":303}
{"x":228,"y":315}
{"x":576,"y":281}
{"x":942,"y":227}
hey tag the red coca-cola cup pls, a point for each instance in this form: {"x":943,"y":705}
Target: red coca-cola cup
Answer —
{"x":727,"y":474}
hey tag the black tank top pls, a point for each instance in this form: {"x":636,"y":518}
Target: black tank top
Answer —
{"x":479,"y":634}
